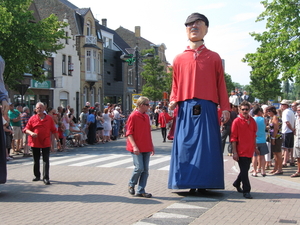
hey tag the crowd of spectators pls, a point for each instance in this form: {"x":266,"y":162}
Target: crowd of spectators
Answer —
{"x":281,"y":133}
{"x":91,"y":127}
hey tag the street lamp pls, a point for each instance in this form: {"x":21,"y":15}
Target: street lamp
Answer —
{"x":134,"y":56}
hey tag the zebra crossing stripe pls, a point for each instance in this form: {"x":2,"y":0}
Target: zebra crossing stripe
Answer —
{"x":51,"y":160}
{"x":117,"y":163}
{"x":165,"y":168}
{"x":97,"y":160}
{"x":72,"y":160}
{"x":155,"y":161}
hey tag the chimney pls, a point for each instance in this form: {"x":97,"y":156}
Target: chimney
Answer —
{"x":104,"y":22}
{"x":137,"y":31}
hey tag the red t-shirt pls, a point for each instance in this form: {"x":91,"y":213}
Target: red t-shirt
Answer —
{"x":244,"y":135}
{"x":163,"y":119}
{"x":138,"y":125}
{"x":199,"y":74}
{"x":43,"y":129}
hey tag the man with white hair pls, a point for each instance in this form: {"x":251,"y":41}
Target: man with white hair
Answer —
{"x":39,"y":129}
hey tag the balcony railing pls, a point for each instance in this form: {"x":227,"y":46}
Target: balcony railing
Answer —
{"x":90,"y":40}
{"x":91,"y":76}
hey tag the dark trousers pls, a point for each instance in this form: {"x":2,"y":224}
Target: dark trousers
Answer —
{"x":226,"y":132}
{"x":46,"y":164}
{"x":244,"y":164}
{"x":92,"y":133}
{"x":164,"y":132}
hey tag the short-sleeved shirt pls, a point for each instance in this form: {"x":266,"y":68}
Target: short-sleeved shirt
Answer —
{"x":91,"y":118}
{"x":43,"y":129}
{"x":287,"y":115}
{"x":13,"y":115}
{"x":139,"y":127}
{"x":244,"y":135}
{"x":261,"y":130}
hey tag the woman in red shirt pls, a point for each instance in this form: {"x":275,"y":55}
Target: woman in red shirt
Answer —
{"x":139,"y":143}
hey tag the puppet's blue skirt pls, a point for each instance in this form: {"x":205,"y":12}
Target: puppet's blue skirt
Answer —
{"x":197,"y":156}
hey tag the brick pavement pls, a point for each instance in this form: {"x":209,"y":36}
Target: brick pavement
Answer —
{"x":91,"y":195}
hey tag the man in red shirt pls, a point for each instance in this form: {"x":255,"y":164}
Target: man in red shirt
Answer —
{"x":139,"y":143}
{"x":163,"y":120}
{"x":243,"y":140}
{"x":39,"y":128}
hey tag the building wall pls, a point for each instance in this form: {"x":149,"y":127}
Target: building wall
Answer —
{"x":69,"y":83}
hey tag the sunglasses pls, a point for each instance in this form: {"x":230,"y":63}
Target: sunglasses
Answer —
{"x":146,"y":104}
{"x":245,"y":109}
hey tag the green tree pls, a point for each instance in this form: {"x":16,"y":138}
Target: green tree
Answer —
{"x":279,"y":50}
{"x":229,"y":84}
{"x":263,"y":87}
{"x":157,"y":80}
{"x":25,"y":43}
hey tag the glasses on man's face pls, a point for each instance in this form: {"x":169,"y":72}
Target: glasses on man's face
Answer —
{"x":245,"y":109}
{"x":196,"y":23}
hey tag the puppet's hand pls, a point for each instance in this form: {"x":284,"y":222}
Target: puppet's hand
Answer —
{"x":226,"y":116}
{"x":172,"y":105}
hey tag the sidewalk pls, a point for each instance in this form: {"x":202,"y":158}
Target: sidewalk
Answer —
{"x":93,"y":195}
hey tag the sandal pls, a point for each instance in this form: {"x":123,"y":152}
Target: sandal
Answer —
{"x":254,"y":175}
{"x":296,"y":175}
{"x":273,"y":171}
{"x":145,"y":195}
{"x":263,"y":174}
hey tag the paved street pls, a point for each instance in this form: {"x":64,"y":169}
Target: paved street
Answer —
{"x":89,"y":186}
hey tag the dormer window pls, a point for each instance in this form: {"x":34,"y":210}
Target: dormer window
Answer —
{"x":88,"y":29}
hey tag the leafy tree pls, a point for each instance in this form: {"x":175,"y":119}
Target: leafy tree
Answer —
{"x":25,"y":43}
{"x":229,"y":84}
{"x":263,"y":87}
{"x":279,"y":51}
{"x":157,"y":80}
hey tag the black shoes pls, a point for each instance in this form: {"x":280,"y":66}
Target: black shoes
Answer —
{"x":36,"y":179}
{"x":247,"y":195}
{"x":145,"y":195}
{"x":46,"y":181}
{"x":131,"y":190}
{"x":238,"y":188}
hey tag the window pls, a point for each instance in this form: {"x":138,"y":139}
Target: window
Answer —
{"x":99,"y":96}
{"x":95,"y":61}
{"x":92,"y":100}
{"x":64,"y":64}
{"x":88,"y":61}
{"x":67,"y":38}
{"x":48,"y":67}
{"x":99,"y":71}
{"x":107,"y":42}
{"x":88,"y":29}
{"x":85,"y":94}
{"x":70,"y":66}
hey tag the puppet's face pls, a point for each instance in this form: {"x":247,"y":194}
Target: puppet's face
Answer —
{"x":196,"y":30}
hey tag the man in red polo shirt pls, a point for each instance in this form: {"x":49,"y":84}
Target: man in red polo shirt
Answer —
{"x":243,"y":138}
{"x":139,"y":143}
{"x":39,"y":128}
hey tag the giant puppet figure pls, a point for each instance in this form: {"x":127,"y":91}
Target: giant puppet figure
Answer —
{"x":198,"y":88}
{"x":4,"y":102}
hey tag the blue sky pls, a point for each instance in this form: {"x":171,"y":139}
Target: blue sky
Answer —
{"x":162,"y":21}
